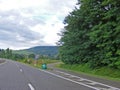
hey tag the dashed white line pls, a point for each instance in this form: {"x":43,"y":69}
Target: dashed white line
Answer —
{"x":110,"y":87}
{"x":17,"y":65}
{"x":113,"y":88}
{"x":21,"y":70}
{"x":31,"y":87}
{"x":70,"y":80}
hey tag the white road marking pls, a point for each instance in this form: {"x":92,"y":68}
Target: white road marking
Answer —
{"x":69,"y":80}
{"x":31,"y":87}
{"x":21,"y":70}
{"x":72,"y":76}
{"x":92,"y":83}
{"x":67,"y":74}
{"x":17,"y":65}
{"x":93,"y":87}
{"x":113,"y":88}
{"x":81,"y":79}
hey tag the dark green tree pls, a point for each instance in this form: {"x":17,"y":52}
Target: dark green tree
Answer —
{"x":92,"y":33}
{"x":8,"y":53}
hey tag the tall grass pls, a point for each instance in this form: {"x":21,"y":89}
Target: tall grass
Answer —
{"x":105,"y":72}
{"x":37,"y":63}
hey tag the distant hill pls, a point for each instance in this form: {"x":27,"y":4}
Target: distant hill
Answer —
{"x":42,"y":50}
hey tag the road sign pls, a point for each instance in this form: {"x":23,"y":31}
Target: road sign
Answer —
{"x":36,"y":57}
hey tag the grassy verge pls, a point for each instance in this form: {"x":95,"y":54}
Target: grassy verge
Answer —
{"x":104,"y":72}
{"x":38,"y":63}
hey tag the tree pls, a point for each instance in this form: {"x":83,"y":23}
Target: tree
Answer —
{"x":2,"y":53}
{"x":8,"y":53}
{"x":32,"y":56}
{"x":92,"y":33}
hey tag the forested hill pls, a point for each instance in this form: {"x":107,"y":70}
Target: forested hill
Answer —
{"x":42,"y":50}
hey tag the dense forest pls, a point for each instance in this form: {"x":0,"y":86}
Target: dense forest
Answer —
{"x":92,"y":34}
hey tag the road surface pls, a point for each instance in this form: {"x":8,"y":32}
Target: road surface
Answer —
{"x":17,"y":76}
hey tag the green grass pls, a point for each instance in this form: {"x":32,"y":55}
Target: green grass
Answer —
{"x":103,"y":72}
{"x":38,"y":63}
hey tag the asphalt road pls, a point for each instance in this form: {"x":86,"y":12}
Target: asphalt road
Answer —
{"x":17,"y":76}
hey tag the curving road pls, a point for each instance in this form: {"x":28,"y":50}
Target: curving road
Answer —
{"x":17,"y":76}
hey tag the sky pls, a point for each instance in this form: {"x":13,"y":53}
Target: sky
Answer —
{"x":29,"y":23}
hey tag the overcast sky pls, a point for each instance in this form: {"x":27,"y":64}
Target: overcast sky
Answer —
{"x":29,"y":23}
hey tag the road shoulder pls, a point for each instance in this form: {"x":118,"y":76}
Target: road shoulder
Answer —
{"x":87,"y":76}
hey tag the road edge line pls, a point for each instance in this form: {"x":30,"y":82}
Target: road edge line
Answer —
{"x":3,"y":62}
{"x":69,"y":80}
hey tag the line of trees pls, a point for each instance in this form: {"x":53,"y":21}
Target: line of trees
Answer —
{"x":7,"y":53}
{"x":92,"y":34}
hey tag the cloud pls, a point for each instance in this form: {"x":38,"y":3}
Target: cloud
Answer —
{"x":25,"y":24}
{"x":13,"y":31}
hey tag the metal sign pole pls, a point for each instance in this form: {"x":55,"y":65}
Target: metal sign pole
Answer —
{"x":36,"y":58}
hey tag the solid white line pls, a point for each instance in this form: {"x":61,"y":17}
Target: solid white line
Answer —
{"x":69,"y":80}
{"x":30,"y":86}
{"x":113,"y":88}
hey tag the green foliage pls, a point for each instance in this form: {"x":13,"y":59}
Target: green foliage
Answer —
{"x":6,"y":53}
{"x":84,"y":68}
{"x":31,"y":56}
{"x":10,"y":55}
{"x":22,"y":52}
{"x":43,"y":51}
{"x":92,"y":34}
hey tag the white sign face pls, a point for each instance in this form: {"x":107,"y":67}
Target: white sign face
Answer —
{"x":36,"y":57}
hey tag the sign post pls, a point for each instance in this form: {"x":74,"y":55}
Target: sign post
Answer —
{"x":36,"y":58}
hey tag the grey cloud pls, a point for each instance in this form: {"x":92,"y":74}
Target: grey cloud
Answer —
{"x":8,"y":13}
{"x":18,"y":29}
{"x":23,"y":31}
{"x":33,"y":20}
{"x":57,"y":6}
{"x":11,"y":29}
{"x":60,"y":3}
{"x":17,"y":17}
{"x":15,"y":24}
